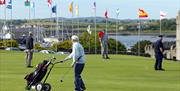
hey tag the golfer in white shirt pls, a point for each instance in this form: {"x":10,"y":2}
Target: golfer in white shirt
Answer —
{"x":78,"y":62}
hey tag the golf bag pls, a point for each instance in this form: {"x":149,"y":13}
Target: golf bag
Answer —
{"x":35,"y":78}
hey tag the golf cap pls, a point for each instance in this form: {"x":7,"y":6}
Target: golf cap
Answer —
{"x":30,"y":33}
{"x":74,"y":37}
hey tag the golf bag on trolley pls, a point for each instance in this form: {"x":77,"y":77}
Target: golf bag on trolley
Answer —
{"x":35,"y":78}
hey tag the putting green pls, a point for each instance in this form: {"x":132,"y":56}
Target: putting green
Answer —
{"x":120,"y":73}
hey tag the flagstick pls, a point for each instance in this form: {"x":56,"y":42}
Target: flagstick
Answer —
{"x":62,"y":29}
{"x":179,"y":5}
{"x":106,"y":25}
{"x":4,"y":18}
{"x":117,"y":35}
{"x":95,"y":31}
{"x":57,"y":32}
{"x":5,"y":13}
{"x":51,"y":31}
{"x":72,"y":22}
{"x":29,"y":12}
{"x":34,"y":10}
{"x":107,"y":30}
{"x":0,"y":18}
{"x":4,"y":21}
{"x":139,"y":31}
{"x":11,"y":26}
{"x":35,"y":29}
{"x":30,"y":17}
{"x":78,"y":26}
{"x":78,"y":20}
{"x":160,"y":27}
{"x":37,"y":25}
{"x":89,"y":44}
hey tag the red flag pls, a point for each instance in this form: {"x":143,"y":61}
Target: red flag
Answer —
{"x":2,"y":2}
{"x":142,"y":13}
{"x":49,"y":3}
{"x":106,"y":14}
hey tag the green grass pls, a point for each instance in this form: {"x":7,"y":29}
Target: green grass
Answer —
{"x":120,"y":73}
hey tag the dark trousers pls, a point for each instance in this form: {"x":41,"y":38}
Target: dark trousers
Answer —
{"x":158,"y":62}
{"x":79,"y":84}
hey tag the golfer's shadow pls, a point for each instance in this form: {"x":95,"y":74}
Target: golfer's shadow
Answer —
{"x":172,"y":70}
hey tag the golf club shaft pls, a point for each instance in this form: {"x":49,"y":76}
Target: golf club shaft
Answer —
{"x":63,"y":76}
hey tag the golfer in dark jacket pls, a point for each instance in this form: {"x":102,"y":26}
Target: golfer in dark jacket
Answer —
{"x":158,"y":48}
{"x":29,"y":49}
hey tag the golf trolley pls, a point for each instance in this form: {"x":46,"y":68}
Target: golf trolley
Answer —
{"x":34,"y":79}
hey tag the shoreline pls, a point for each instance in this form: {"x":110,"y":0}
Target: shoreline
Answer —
{"x":144,"y":34}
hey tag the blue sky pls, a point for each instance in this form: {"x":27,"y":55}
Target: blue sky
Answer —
{"x":128,"y":8}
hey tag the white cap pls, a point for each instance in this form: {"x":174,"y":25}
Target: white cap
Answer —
{"x":74,"y":37}
{"x":30,"y":33}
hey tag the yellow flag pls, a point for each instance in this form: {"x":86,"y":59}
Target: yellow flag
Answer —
{"x":77,"y":10}
{"x":71,"y":7}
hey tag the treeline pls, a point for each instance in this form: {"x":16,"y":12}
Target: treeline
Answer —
{"x":88,"y":42}
{"x":166,"y":24}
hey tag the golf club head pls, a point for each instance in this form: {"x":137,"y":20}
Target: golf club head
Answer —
{"x":54,"y":58}
{"x":61,"y":81}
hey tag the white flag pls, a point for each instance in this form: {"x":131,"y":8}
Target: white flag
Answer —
{"x":77,"y":10}
{"x":89,"y":29}
{"x":117,"y":11}
{"x":162,"y":15}
{"x":94,"y":7}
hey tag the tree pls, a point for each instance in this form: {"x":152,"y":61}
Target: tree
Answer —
{"x":112,"y":45}
{"x":62,"y":46}
{"x":8,"y":43}
{"x":143,"y":43}
{"x":85,"y":39}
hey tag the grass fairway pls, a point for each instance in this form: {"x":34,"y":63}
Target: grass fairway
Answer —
{"x":120,"y":73}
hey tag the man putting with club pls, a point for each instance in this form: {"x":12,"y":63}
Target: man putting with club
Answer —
{"x":78,"y":62}
{"x":103,"y":39}
{"x":159,"y":49}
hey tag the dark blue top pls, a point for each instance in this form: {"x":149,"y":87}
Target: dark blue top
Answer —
{"x":157,"y":46}
{"x":29,"y":42}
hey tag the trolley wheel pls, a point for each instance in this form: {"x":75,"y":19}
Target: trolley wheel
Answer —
{"x":46,"y":87}
{"x":39,"y":87}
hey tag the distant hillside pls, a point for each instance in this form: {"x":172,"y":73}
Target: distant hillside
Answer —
{"x":124,"y":25}
{"x":91,"y":19}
